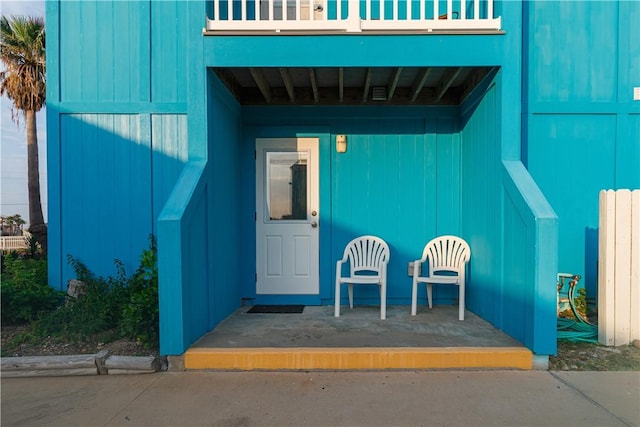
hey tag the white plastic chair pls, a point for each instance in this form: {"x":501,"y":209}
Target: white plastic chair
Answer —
{"x":368,"y":257}
{"x":446,"y":254}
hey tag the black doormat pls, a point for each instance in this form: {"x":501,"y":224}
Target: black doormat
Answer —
{"x":276,"y":309}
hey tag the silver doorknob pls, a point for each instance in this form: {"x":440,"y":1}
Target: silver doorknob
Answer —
{"x":314,"y":213}
{"x":314,"y":224}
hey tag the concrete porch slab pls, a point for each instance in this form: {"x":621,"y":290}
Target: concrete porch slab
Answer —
{"x":358,"y":339}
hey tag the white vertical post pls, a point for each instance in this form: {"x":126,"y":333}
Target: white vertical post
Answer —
{"x":256,"y":6}
{"x":229,"y":10}
{"x":367,"y":13}
{"x":338,"y":10}
{"x":409,"y":10}
{"x":354,"y":16}
{"x":463,"y":9}
{"x":297,"y":10}
{"x":449,"y":9}
{"x":622,"y":291}
{"x":436,"y":12}
{"x":489,"y":9}
{"x":606,"y":258}
{"x":476,"y":9}
{"x":381,"y":10}
{"x":243,"y":10}
{"x":634,"y":330}
{"x":619,"y":267}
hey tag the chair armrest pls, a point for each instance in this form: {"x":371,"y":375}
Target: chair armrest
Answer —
{"x":416,"y":267}
{"x":339,"y":268}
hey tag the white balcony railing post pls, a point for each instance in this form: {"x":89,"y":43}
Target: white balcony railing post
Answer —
{"x":390,"y":16}
{"x":353,"y":20}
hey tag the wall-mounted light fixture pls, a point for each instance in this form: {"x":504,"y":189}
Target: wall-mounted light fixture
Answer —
{"x":341,"y":143}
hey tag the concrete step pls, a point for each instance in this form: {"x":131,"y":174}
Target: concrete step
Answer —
{"x":361,"y":358}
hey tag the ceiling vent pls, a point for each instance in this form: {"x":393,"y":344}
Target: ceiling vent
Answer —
{"x":379,"y":93}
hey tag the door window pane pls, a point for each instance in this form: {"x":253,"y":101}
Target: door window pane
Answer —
{"x":287,"y":185}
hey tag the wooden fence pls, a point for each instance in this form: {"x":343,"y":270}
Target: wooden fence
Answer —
{"x":13,"y":243}
{"x":619,"y":267}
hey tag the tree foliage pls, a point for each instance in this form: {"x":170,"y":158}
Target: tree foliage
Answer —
{"x":22,"y":51}
{"x":23,"y":80}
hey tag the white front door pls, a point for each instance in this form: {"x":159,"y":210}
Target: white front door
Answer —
{"x":287,"y":216}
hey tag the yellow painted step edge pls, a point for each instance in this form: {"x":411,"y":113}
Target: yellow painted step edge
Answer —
{"x":248,"y":359}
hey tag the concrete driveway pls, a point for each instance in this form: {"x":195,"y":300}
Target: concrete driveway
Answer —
{"x":381,"y":398}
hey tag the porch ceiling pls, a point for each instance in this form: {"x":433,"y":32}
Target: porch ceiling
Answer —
{"x":351,"y":85}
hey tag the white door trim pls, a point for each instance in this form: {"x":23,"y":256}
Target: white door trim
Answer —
{"x":287,"y":249}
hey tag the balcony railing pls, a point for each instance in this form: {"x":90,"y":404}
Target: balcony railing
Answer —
{"x":12,"y":243}
{"x":353,"y":16}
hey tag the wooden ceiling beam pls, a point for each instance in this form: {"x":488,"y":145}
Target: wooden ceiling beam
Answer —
{"x":314,"y":85}
{"x":393,"y":83}
{"x":261,"y":82}
{"x":230,"y":81}
{"x":288,"y":83}
{"x":473,"y":81}
{"x":340,"y":84}
{"x":367,"y":84}
{"x":447,"y":80}
{"x":419,"y":82}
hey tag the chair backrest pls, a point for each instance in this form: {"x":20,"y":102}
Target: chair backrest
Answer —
{"x":447,"y":253}
{"x":367,"y":253}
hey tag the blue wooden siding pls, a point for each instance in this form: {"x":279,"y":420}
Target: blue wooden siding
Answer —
{"x":399,"y":179}
{"x":107,"y":54}
{"x":169,"y":51}
{"x":481,"y":183}
{"x":528,"y":292}
{"x":574,"y":158}
{"x":581,"y":127}
{"x":116,"y":171}
{"x":510,"y":228}
{"x":100,"y":68}
{"x":170,"y":154}
{"x":573,"y":62}
{"x":198,"y":232}
{"x":177,"y":145}
{"x":102,"y":50}
{"x":224,"y":226}
{"x":106,"y":190}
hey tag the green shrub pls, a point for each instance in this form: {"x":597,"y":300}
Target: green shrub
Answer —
{"x":24,"y":289}
{"x":113,"y":307}
{"x":94,"y":311}
{"x":140,"y":313}
{"x":116,"y":306}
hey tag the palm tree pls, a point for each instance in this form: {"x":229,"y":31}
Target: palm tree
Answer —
{"x":22,"y":51}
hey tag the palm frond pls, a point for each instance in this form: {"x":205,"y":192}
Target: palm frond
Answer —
{"x":22,"y":51}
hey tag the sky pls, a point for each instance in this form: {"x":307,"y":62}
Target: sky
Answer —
{"x":13,"y":139}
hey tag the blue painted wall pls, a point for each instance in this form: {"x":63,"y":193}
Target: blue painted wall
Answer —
{"x":117,"y":127}
{"x":225,"y":193}
{"x":167,"y":114}
{"x":581,"y":125}
{"x":481,"y":193}
{"x":399,"y":179}
{"x":106,"y":185}
{"x":509,"y":226}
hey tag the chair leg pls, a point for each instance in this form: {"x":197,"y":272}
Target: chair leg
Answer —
{"x":461,"y":303}
{"x":414,"y":299}
{"x":336,"y":311}
{"x":383,"y":302}
{"x":429,"y":294}
{"x":350,"y":295}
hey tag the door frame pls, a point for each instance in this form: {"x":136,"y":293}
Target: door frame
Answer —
{"x":288,"y":233}
{"x":327,"y":263}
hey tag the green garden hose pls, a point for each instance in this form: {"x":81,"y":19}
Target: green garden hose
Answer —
{"x":579,"y":330}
